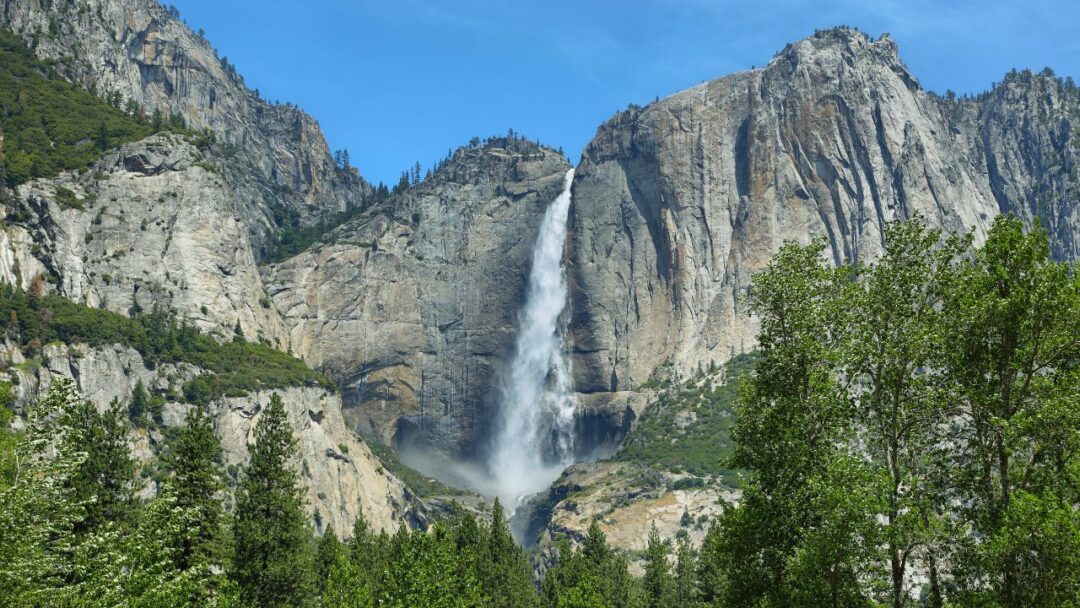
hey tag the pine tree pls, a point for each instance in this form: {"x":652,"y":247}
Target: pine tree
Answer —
{"x":198,"y":485}
{"x":590,"y":576}
{"x":346,"y":586}
{"x":103,"y":136}
{"x":509,"y":581}
{"x":711,"y":574}
{"x":105,"y":479}
{"x":272,"y":565}
{"x":329,"y":552}
{"x":366,"y":550}
{"x":39,"y":511}
{"x":686,"y":582}
{"x":658,"y":584}
{"x":138,"y":405}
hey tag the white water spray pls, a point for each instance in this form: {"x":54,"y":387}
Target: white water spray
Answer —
{"x":534,"y":430}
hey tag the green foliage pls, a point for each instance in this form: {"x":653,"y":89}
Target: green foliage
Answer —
{"x":688,"y":428}
{"x":294,"y":236}
{"x":1013,"y":320}
{"x":39,"y":510}
{"x":921,"y":410}
{"x":197,"y":483}
{"x":49,"y":124}
{"x":139,"y":403}
{"x":52,"y":555}
{"x":8,"y":437}
{"x":345,"y":586}
{"x":234,"y":368}
{"x":503,"y":569}
{"x":592,"y":576}
{"x":658,"y":584}
{"x":104,"y":481}
{"x":273,"y":561}
{"x":328,"y":555}
{"x":686,"y":592}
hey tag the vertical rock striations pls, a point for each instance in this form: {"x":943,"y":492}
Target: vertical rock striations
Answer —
{"x":278,"y":159}
{"x":412,"y":306}
{"x":676,"y":205}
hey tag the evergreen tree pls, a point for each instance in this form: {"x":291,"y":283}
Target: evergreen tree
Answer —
{"x":711,"y":573}
{"x":138,"y":405}
{"x":272,"y":565}
{"x":345,"y":586}
{"x":591,"y":576}
{"x":329,"y":552}
{"x":686,"y":569}
{"x":198,"y":485}
{"x":658,"y":584}
{"x":366,"y":550}
{"x":105,"y":479}
{"x":509,"y":578}
{"x":39,"y":510}
{"x":103,"y":136}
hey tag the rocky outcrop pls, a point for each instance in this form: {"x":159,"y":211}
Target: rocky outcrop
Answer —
{"x":276,"y":156}
{"x":626,"y":501}
{"x":412,"y":307}
{"x":1027,"y":126}
{"x":677,"y":205}
{"x":152,"y":223}
{"x":338,"y":470}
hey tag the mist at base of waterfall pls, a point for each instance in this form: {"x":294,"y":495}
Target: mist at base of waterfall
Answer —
{"x":532,"y":434}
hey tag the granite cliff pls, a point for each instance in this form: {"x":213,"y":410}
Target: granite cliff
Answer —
{"x":412,"y":307}
{"x":677,"y":204}
{"x":274,"y":157}
{"x":178,"y":221}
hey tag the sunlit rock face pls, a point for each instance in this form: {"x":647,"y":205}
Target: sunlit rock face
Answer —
{"x":413,"y":306}
{"x":275,"y":156}
{"x":677,"y":205}
{"x":340,"y":475}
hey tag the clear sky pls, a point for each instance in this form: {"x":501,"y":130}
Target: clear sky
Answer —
{"x":400,"y":81}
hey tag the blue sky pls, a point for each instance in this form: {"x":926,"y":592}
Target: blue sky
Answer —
{"x":400,"y":81}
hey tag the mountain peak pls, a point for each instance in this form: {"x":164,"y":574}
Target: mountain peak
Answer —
{"x":834,"y":48}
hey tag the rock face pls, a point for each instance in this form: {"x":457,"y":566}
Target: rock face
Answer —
{"x":626,"y":501}
{"x":676,"y":205}
{"x":277,"y":155}
{"x":180,"y":220}
{"x":340,"y":473}
{"x":152,"y":223}
{"x":412,"y":307}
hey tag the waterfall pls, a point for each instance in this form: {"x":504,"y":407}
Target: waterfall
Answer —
{"x":533,"y":439}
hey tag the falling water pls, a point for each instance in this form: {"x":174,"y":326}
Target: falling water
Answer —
{"x":533,"y":438}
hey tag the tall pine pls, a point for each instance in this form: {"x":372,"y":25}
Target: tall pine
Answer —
{"x":273,"y":564}
{"x":105,"y":479}
{"x":328,"y":554}
{"x":509,"y":580}
{"x":658,"y":584}
{"x":197,"y":482}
